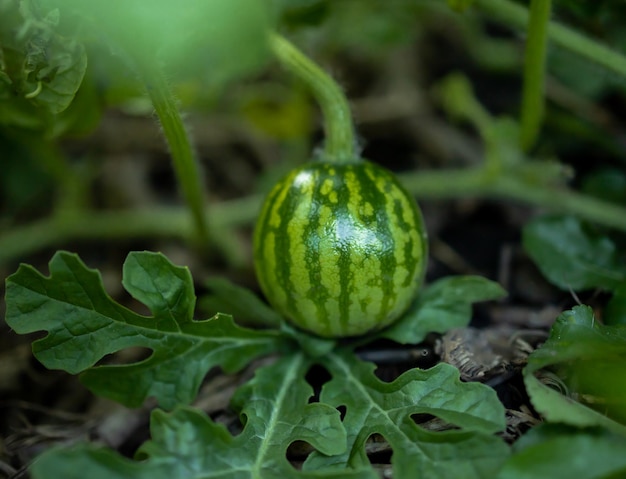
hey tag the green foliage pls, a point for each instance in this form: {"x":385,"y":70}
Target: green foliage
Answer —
{"x":186,"y":444}
{"x":606,"y":16}
{"x":84,"y":325}
{"x":572,"y":255}
{"x":301,"y":13}
{"x":590,"y":365}
{"x":40,"y":69}
{"x":367,"y":27}
{"x":555,"y":451}
{"x":615,"y":312}
{"x":376,"y":407}
{"x":43,"y":60}
{"x":608,"y":184}
{"x":460,"y":5}
{"x":585,"y":78}
{"x":238,"y":302}
{"x":443,"y":305}
{"x":221,"y":40}
{"x":24,"y":181}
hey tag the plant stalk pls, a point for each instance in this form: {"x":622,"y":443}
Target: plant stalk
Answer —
{"x":517,"y":16}
{"x":533,"y":98}
{"x":184,"y":160}
{"x":340,"y":145}
{"x":476,"y":182}
{"x":63,"y":227}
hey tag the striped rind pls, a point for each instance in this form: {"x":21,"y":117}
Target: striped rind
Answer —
{"x":340,"y":250}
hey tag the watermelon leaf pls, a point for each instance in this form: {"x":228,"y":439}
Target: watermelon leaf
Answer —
{"x":443,"y":305}
{"x":243,"y":304}
{"x":186,"y":444}
{"x":84,"y":325}
{"x":590,"y":361}
{"x":573,"y":256}
{"x":375,"y":407}
{"x":547,"y":451}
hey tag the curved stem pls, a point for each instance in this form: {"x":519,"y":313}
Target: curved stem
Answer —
{"x":184,"y":160}
{"x":534,"y":72}
{"x":340,"y":145}
{"x":476,"y":182}
{"x":517,"y":16}
{"x":57,"y":230}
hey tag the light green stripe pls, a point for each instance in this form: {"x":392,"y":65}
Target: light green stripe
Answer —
{"x":305,"y":309}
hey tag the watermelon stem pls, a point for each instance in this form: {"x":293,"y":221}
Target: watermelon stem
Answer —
{"x":340,"y":145}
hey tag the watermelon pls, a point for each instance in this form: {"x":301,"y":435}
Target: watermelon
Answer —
{"x":340,"y":249}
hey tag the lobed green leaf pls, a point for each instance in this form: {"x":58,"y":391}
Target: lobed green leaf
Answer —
{"x":84,"y":325}
{"x":375,"y":407}
{"x":444,"y":305}
{"x":186,"y":444}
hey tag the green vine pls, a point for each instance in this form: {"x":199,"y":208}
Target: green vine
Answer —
{"x":60,"y":228}
{"x":340,"y":145}
{"x":475,"y":182}
{"x":184,"y":160}
{"x":518,"y":16}
{"x":533,"y":101}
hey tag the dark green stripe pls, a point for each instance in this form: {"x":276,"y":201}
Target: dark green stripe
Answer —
{"x":261,"y":233}
{"x":318,"y":293}
{"x":346,"y":280}
{"x":384,"y":231}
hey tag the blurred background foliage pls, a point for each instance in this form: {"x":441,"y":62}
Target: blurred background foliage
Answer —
{"x":390,"y":57}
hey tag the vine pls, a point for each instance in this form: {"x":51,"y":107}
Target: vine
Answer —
{"x":517,"y":16}
{"x":184,"y":160}
{"x":534,"y":72}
